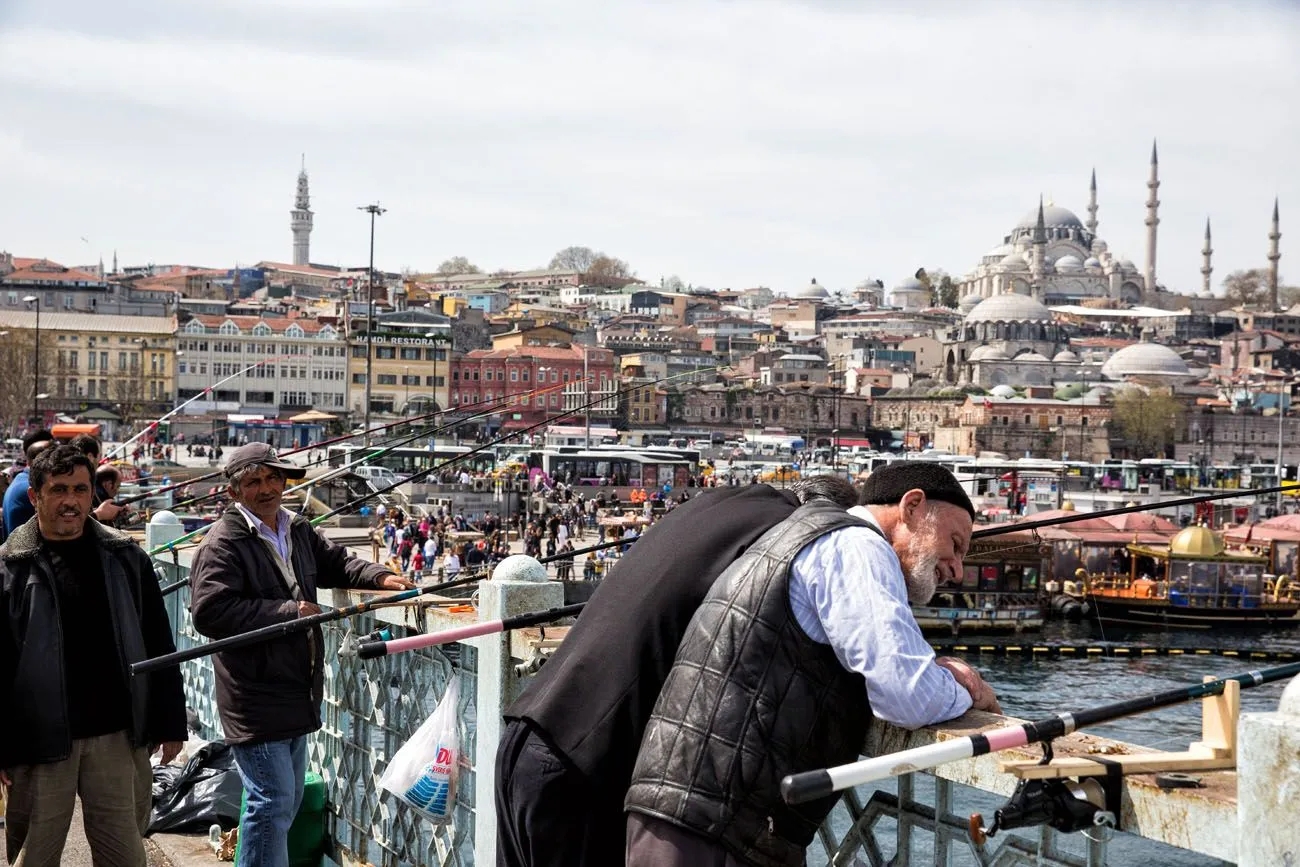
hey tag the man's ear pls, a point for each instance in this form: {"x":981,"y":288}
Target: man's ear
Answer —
{"x":912,"y":506}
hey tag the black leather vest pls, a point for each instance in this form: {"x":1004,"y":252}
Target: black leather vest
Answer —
{"x":751,"y":698}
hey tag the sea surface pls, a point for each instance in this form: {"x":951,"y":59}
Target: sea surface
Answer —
{"x":1031,"y":688}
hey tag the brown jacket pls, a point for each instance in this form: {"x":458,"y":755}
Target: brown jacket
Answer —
{"x":271,"y":690}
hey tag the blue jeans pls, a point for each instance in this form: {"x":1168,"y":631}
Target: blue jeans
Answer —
{"x":273,"y":774}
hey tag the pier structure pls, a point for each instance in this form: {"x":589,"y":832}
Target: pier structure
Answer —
{"x":372,"y":707}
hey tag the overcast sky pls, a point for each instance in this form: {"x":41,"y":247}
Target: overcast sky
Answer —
{"x":733,"y":143}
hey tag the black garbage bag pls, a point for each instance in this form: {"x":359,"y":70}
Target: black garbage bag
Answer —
{"x":203,"y":793}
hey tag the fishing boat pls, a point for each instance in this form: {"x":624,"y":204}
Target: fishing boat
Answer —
{"x":1194,"y":582}
{"x":1000,"y":590}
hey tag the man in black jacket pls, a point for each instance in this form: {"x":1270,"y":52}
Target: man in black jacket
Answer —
{"x":78,"y":604}
{"x":260,"y":565}
{"x":567,"y":751}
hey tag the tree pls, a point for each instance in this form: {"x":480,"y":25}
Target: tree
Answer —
{"x":608,"y":271}
{"x":574,"y":259}
{"x":1247,"y":288}
{"x":1146,"y":420}
{"x":673,"y":284}
{"x":946,"y":290}
{"x":18,"y":359}
{"x":457,"y":265}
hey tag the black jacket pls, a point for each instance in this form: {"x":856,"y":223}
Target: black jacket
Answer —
{"x":271,"y":690}
{"x":750,"y":699}
{"x":594,"y":697}
{"x":34,"y":721}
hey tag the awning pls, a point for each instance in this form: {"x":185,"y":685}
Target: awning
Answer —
{"x":312,"y":415}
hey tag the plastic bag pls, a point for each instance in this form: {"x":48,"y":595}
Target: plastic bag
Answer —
{"x":205,"y":791}
{"x":424,"y":771}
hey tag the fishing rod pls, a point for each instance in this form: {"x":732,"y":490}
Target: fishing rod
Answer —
{"x":1126,"y":510}
{"x":811,"y":785}
{"x":172,"y":545}
{"x":289,"y":627}
{"x":444,"y":637}
{"x":373,"y":649}
{"x":280,"y":629}
{"x":153,"y":492}
{"x":411,"y":420}
{"x":153,"y":425}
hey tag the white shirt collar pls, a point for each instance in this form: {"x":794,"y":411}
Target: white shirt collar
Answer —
{"x":257,"y":525}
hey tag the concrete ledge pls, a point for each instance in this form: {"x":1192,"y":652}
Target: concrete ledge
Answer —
{"x":1193,"y":819}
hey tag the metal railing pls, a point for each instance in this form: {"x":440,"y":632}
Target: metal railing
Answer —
{"x":371,"y":708}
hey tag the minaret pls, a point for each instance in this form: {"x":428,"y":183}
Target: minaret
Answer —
{"x":1206,"y":267}
{"x":114,"y":261}
{"x":1274,"y":255}
{"x":1152,"y":220}
{"x":300,"y":219}
{"x":1092,"y":205}
{"x":1037,"y":254}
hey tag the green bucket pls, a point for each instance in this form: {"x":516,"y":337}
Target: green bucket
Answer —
{"x":307,"y":833}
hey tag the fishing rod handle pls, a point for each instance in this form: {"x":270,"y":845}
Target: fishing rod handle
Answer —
{"x":811,"y":785}
{"x":373,"y":649}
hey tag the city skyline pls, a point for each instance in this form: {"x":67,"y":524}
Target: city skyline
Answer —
{"x":818,"y":140}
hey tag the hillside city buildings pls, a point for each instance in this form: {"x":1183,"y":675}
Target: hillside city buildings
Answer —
{"x":1029,"y":353}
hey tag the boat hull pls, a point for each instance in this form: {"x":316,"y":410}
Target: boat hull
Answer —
{"x":957,"y":620}
{"x":1159,"y":612}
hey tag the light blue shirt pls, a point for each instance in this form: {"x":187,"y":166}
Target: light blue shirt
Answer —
{"x":847,"y":590}
{"x":278,"y":536}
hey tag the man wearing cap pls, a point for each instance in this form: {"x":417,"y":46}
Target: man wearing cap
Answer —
{"x":260,"y":565}
{"x":798,"y":645}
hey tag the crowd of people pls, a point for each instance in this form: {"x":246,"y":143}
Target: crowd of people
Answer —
{"x":603,"y":759}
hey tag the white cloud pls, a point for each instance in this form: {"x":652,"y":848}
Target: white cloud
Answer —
{"x":732,"y":143}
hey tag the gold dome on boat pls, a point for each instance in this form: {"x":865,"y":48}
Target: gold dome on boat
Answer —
{"x":1196,"y":542}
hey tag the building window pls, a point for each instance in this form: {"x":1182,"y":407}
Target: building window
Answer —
{"x":514,"y":375}
{"x":387,"y":379}
{"x":358,"y":379}
{"x":410,"y":353}
{"x":385,"y":352}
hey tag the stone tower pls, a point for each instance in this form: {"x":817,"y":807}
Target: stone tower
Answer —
{"x":1152,"y":220}
{"x":1092,"y":205}
{"x":300,"y":220}
{"x":1206,"y":267}
{"x":1274,"y":254}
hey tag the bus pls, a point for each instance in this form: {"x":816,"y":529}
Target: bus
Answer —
{"x":622,"y":467}
{"x":409,"y":460}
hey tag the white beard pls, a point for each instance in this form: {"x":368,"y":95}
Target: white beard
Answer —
{"x":922,"y":578}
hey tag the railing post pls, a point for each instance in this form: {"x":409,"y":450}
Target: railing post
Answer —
{"x":498,"y":685}
{"x":1268,"y":764}
{"x":162,"y":528}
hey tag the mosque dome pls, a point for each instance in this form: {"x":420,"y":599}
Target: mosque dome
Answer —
{"x":999,"y":251}
{"x":1031,"y":356}
{"x":911,"y":284}
{"x":1065,"y":356}
{"x":1009,"y":307}
{"x":1002,"y":391}
{"x":1053,"y":218}
{"x":1069,"y":264}
{"x":1145,"y":360}
{"x":1013,"y":260}
{"x":1126,"y":265}
{"x":969,"y":303}
{"x":1092,"y":262}
{"x":988,"y":353}
{"x":1097,"y":393}
{"x":1196,"y":542}
{"x":812,"y":291}
{"x":1069,"y":392}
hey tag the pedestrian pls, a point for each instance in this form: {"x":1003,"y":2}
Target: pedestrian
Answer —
{"x":817,"y":612}
{"x":79,"y":604}
{"x":417,"y":565}
{"x":570,"y":740}
{"x":451,"y":563}
{"x":18,"y":508}
{"x":261,"y":565}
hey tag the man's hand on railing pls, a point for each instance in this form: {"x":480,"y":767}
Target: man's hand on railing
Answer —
{"x":981,"y":694}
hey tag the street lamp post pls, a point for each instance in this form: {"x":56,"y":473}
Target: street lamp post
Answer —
{"x":586,"y":384}
{"x":36,"y":370}
{"x":374,"y":211}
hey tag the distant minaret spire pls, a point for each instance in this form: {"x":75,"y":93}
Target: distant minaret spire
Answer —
{"x":1038,"y":252}
{"x":1274,"y":254}
{"x":300,"y":219}
{"x":1152,"y":220}
{"x":1206,"y":252}
{"x":1092,"y":205}
{"x":114,"y":261}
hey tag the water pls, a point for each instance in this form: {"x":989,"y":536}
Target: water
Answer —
{"x":1031,"y":688}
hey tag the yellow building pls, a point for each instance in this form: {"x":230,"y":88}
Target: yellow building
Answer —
{"x":125,"y":364}
{"x":410,"y":364}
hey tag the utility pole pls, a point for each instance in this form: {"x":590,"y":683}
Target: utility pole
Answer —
{"x":586,"y":379}
{"x":1281,"y":424}
{"x":374,"y":211}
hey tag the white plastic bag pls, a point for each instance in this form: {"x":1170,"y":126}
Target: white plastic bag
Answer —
{"x":424,"y":771}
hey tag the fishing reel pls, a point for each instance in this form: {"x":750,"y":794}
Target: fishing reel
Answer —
{"x":1064,"y":804}
{"x":351,"y":644}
